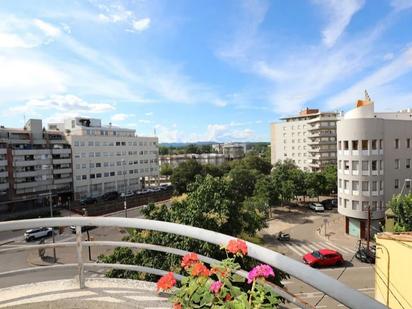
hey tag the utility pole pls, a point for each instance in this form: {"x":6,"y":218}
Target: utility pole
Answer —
{"x":51,"y":215}
{"x":125,"y":191}
{"x":368,"y":236}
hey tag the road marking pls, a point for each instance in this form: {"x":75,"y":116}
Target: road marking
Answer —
{"x":301,"y":248}
{"x":293,"y":249}
{"x":312,"y":246}
{"x":344,"y":249}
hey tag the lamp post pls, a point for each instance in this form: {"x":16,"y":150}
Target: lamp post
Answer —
{"x":125,"y":191}
{"x":51,"y":215}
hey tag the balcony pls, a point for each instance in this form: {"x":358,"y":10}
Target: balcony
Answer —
{"x":25,"y":152}
{"x":98,"y":293}
{"x":62,"y":171}
{"x":32,"y":173}
{"x":4,"y":186}
{"x":32,"y":184}
{"x":62,"y":180}
{"x":3,"y":162}
{"x":3,"y":151}
{"x":4,"y":174}
{"x":62,"y":161}
{"x":62,"y":151}
{"x":32,"y":162}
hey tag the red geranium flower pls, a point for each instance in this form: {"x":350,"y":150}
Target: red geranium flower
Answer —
{"x":166,"y":282}
{"x":237,"y":246}
{"x":177,"y":306}
{"x":228,"y":297}
{"x":189,"y":259}
{"x":200,"y":270}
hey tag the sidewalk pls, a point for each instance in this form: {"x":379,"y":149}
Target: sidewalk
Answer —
{"x":334,"y":231}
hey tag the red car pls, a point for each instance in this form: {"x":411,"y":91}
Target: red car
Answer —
{"x":323,"y":257}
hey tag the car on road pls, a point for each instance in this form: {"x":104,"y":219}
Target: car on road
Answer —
{"x":88,"y":200}
{"x":318,"y":207}
{"x":127,"y":194}
{"x":84,"y":228}
{"x":110,"y":196}
{"x":329,"y":204}
{"x":37,"y":233}
{"x":323,"y":257}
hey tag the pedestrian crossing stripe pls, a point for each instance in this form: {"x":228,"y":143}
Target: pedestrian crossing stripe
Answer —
{"x":303,"y":248}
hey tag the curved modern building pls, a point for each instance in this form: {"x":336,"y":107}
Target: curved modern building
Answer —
{"x":374,"y":160}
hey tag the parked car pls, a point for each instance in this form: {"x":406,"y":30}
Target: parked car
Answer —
{"x":329,"y":204}
{"x":88,"y":200}
{"x":127,"y":194}
{"x":318,"y":207}
{"x":323,"y":257}
{"x":84,"y":228}
{"x":37,"y":233}
{"x":109,"y":196}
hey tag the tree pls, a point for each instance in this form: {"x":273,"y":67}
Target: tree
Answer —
{"x":214,"y":170}
{"x":315,"y":184}
{"x":242,"y":182}
{"x":253,"y":162}
{"x":330,"y":174}
{"x":266,"y":190}
{"x":401,"y":206}
{"x":166,"y":170}
{"x":185,"y":174}
{"x":282,"y":174}
{"x":191,"y":148}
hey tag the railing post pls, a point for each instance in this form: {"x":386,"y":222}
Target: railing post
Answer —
{"x":79,"y":248}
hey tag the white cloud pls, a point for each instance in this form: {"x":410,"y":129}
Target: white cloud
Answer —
{"x":62,"y":103}
{"x":25,"y":33}
{"x":141,"y":24}
{"x":339,"y":14}
{"x":219,"y":102}
{"x":119,"y":117}
{"x":383,"y":76}
{"x":145,"y":121}
{"x":149,"y":114}
{"x":401,"y":4}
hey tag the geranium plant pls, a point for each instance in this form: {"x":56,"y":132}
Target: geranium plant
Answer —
{"x":220,"y":286}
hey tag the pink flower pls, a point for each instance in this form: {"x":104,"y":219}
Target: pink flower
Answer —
{"x":261,"y":270}
{"x":215,"y":287}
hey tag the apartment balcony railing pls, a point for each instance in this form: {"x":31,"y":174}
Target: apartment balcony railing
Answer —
{"x":61,"y":151}
{"x":67,"y":170}
{"x":4,"y":186}
{"x":21,"y":152}
{"x":3,"y":162}
{"x":62,"y":161}
{"x":335,"y":289}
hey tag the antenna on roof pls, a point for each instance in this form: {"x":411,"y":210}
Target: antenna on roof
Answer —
{"x":367,"y":97}
{"x":24,"y":119}
{"x":154,"y":131}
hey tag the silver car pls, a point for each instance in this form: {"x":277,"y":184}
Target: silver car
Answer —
{"x":37,"y":233}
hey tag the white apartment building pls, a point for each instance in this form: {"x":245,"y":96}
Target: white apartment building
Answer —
{"x":203,"y":158}
{"x":108,"y":158}
{"x":374,"y":160}
{"x":231,"y":151}
{"x":309,"y":139}
{"x":33,"y":164}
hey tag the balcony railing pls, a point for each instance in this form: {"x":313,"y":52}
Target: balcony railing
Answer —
{"x":335,"y":289}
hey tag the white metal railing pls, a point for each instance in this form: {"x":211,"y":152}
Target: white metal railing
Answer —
{"x":335,"y":289}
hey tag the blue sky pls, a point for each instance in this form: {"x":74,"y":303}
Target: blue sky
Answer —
{"x":201,"y":70}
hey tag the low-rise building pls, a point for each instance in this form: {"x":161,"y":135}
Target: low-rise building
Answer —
{"x":231,"y":151}
{"x":309,"y":139}
{"x":34,"y":164}
{"x":203,"y":158}
{"x":393,"y":269}
{"x":374,"y":163}
{"x":109,"y":158}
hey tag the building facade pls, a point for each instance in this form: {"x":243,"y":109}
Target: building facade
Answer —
{"x":34,"y":164}
{"x":231,"y":151}
{"x":203,"y":158}
{"x":109,"y":158}
{"x":374,"y":163}
{"x":392,"y":269}
{"x":309,"y":139}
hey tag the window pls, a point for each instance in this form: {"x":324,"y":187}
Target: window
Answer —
{"x":355,"y":165}
{"x":92,"y":176}
{"x":365,"y":205}
{"x":365,"y":186}
{"x":340,"y":201}
{"x":76,"y":143}
{"x":106,"y":164}
{"x":365,"y":165}
{"x":345,"y":203}
{"x":381,"y":185}
{"x":107,"y":174}
{"x":91,"y":154}
{"x":77,"y":166}
{"x":407,"y":184}
{"x":346,"y":165}
{"x":340,"y":145}
{"x":355,"y":185}
{"x":355,"y":145}
{"x":340,"y":164}
{"x":374,"y":185}
{"x":380,"y":144}
{"x":396,"y":183}
{"x":355,"y":205}
{"x":408,"y":163}
{"x":381,"y":165}
{"x":98,"y":164}
{"x":97,"y":154}
{"x":78,"y":178}
{"x":96,"y":143}
{"x":84,"y":177}
{"x":82,"y":144}
{"x":396,"y":163}
{"x":346,"y":184}
{"x":98,"y":175}
{"x":90,"y":143}
{"x":84,"y":165}
{"x":374,"y":205}
{"x":364,"y":144}
{"x":345,"y":145}
{"x":374,"y":165}
{"x":396,"y":143}
{"x":408,"y":143}
{"x":340,"y":183}
{"x":374,"y":144}
{"x":112,"y":174}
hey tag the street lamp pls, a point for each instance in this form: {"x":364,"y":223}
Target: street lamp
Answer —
{"x":125,"y":191}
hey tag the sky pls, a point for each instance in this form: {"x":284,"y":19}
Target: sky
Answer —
{"x":204,"y":70}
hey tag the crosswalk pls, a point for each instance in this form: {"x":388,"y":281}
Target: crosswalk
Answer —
{"x":301,"y":248}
